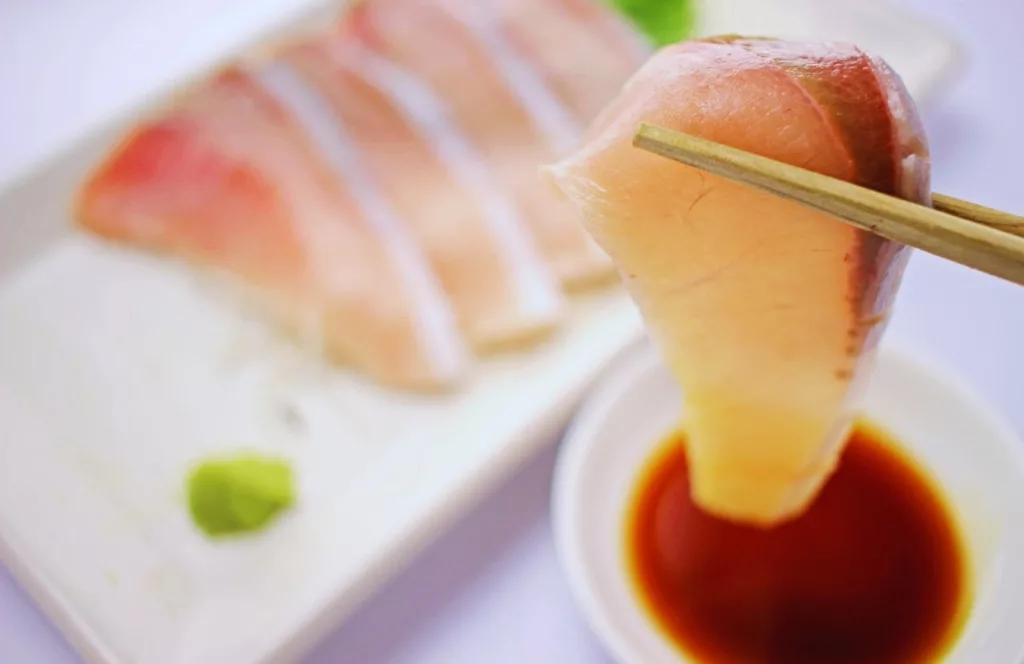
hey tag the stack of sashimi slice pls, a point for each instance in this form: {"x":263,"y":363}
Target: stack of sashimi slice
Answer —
{"x":378,"y":184}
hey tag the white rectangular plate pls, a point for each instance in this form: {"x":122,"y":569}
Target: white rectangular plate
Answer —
{"x":118,"y":370}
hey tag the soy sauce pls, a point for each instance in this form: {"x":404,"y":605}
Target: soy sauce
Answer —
{"x":872,"y":573}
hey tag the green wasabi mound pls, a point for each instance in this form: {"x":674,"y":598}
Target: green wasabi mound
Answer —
{"x":662,"y":21}
{"x":241,"y":494}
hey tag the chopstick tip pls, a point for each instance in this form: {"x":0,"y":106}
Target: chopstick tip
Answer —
{"x":644,"y":133}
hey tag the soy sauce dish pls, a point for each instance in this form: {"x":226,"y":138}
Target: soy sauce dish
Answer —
{"x":912,"y":553}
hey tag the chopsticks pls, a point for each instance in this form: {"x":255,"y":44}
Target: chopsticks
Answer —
{"x":973,"y":235}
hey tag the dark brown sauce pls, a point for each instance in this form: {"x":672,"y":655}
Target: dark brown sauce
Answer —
{"x":872,"y":573}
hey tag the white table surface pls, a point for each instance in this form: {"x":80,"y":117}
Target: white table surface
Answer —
{"x":491,"y":590}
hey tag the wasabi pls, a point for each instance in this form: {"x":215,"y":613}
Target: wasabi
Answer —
{"x":242,"y":494}
{"x":662,"y":21}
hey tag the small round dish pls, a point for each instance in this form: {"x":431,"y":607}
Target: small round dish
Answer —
{"x":970,"y":451}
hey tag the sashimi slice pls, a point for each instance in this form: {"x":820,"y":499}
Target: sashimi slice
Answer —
{"x":437,"y":184}
{"x":767,"y":313}
{"x":584,"y":51}
{"x":500,"y":105}
{"x":228,"y":180}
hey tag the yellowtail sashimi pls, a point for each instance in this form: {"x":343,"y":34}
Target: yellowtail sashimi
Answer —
{"x":228,"y":179}
{"x":499,"y":103}
{"x":582,"y":49}
{"x":437,"y":184}
{"x":767,"y":313}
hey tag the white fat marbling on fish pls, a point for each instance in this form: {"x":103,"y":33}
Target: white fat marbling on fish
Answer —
{"x":541,"y":104}
{"x":434,"y":316}
{"x":915,"y":166}
{"x":537,"y":293}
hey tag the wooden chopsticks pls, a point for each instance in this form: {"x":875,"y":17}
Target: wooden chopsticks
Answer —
{"x":979,"y":237}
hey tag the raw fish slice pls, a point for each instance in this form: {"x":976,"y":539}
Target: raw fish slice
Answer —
{"x":437,"y":185}
{"x":767,"y":313}
{"x":500,"y":105}
{"x":583,"y":50}
{"x":227,"y":180}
